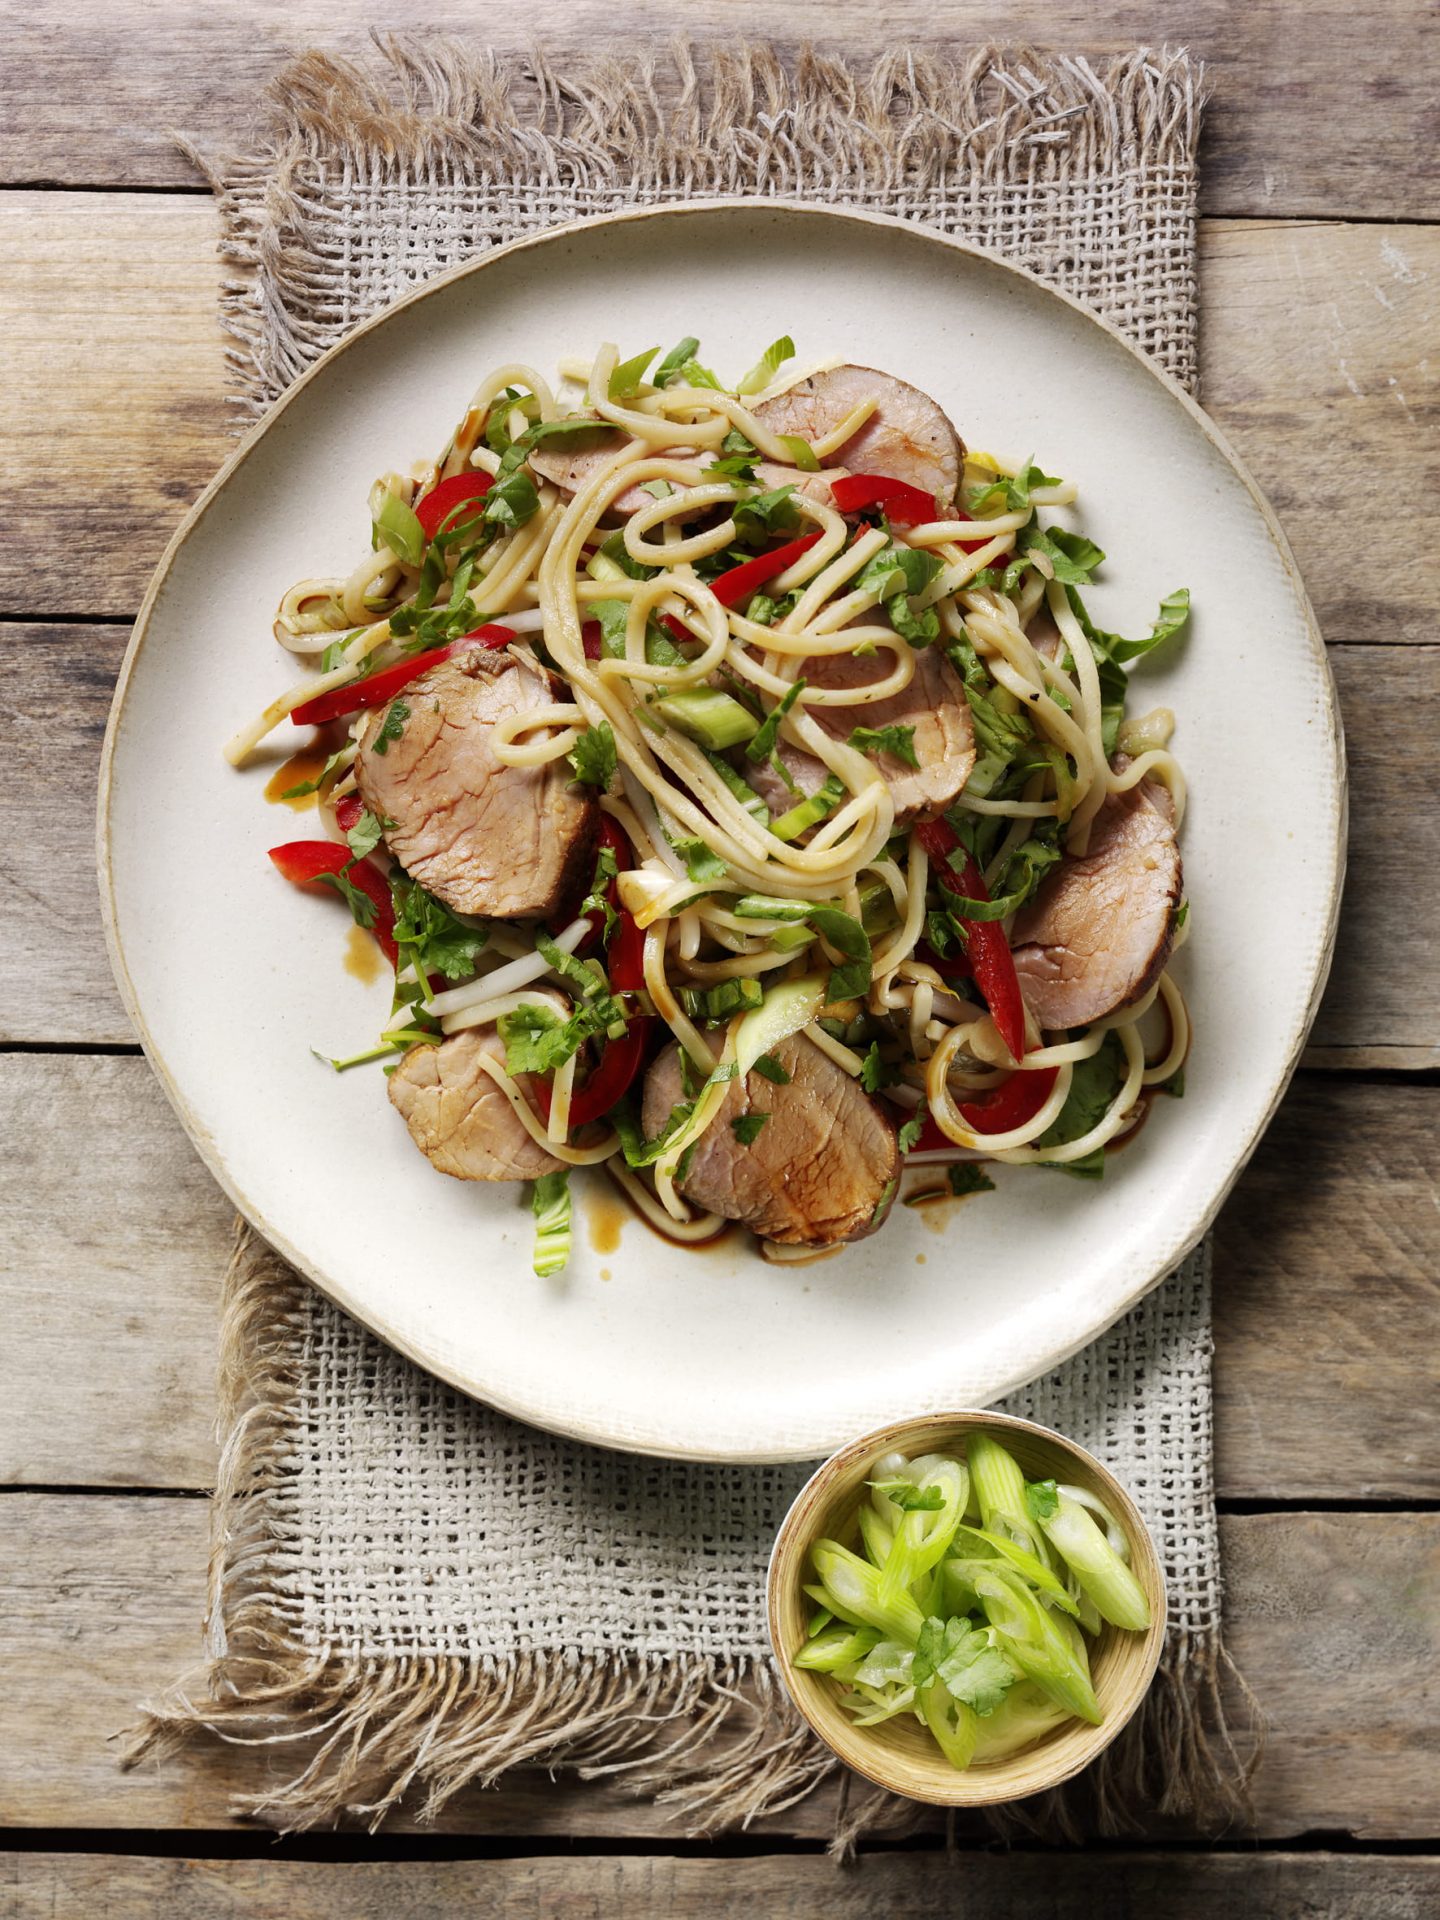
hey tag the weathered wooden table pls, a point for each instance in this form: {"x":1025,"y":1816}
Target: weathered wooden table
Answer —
{"x":1321,"y":357}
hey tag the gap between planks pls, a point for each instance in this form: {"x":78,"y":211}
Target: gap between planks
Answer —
{"x":978,"y":1885}
{"x":1327,"y":1295}
{"x":100,"y":1605}
{"x":1313,"y":339}
{"x":95,"y":98}
{"x":1381,"y":1010}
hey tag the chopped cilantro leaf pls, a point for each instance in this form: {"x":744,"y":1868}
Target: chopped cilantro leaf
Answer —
{"x":965,"y":1177}
{"x":910,"y":1498}
{"x":747,"y":1127}
{"x":899,"y":742}
{"x":391,"y":727}
{"x":362,"y":907}
{"x":593,"y":756}
{"x":1042,"y":1498}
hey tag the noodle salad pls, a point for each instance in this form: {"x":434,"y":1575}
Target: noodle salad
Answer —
{"x":744,"y":799}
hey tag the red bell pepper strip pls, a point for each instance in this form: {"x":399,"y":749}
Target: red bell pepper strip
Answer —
{"x":1011,"y":1104}
{"x":609,"y":836}
{"x":443,"y":498}
{"x":732,"y":589}
{"x":625,"y":957}
{"x":996,"y":1110}
{"x":614,"y":1076}
{"x":986,"y":947}
{"x":305,"y":862}
{"x":382,"y":687}
{"x":348,"y":811}
{"x":904,"y":505}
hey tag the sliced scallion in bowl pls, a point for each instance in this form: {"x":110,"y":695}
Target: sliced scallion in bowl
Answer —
{"x":968,"y":1599}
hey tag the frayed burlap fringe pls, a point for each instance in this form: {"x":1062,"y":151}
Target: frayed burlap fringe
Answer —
{"x":716,"y":1742}
{"x":1084,"y":173}
{"x":919,"y":136}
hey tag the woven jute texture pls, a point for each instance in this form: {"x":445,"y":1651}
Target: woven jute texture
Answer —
{"x":415,"y":1591}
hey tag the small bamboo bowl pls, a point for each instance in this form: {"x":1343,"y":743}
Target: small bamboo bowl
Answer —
{"x":901,"y":1754}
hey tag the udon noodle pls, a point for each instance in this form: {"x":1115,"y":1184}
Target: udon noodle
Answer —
{"x":703,"y":852}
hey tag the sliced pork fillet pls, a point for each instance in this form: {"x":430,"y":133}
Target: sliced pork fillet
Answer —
{"x":457,"y":1115}
{"x":933,"y":705}
{"x":508,"y":843}
{"x":823,"y":1168}
{"x":908,"y":437}
{"x":1099,"y":930}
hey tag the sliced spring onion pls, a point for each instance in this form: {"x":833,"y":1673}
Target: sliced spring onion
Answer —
{"x":766,"y":367}
{"x":1000,"y":1547}
{"x":836,"y":1647}
{"x":1036,"y":1640}
{"x":959,"y":1625}
{"x":550,"y":1200}
{"x":712,"y":718}
{"x":765,"y":906}
{"x":800,"y":451}
{"x":955,"y":1726}
{"x":721,"y":1002}
{"x":1000,"y":1491}
{"x":810,"y":812}
{"x":397,"y":527}
{"x":1104,"y":1577}
{"x":855,"y":1586}
{"x":744,"y":793}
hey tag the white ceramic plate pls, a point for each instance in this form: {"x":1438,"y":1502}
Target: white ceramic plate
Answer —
{"x":231,"y":976}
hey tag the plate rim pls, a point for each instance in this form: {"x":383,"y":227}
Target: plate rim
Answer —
{"x":548,"y":1419}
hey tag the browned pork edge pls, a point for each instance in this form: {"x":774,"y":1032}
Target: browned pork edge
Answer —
{"x":506,"y":843}
{"x":822,"y":1170}
{"x":1098,"y":933}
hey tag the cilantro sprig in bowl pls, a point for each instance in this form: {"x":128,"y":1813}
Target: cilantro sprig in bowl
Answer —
{"x":966,"y":1607}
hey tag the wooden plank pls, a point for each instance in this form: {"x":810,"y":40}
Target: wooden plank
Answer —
{"x":100,"y":1607}
{"x":1317,"y":351}
{"x":982,"y":1886}
{"x":115,"y":1244}
{"x":100,"y":1602}
{"x":1327,"y":1302}
{"x":95,"y":104}
{"x":1382,"y":1007}
{"x":111,"y":1258}
{"x":1384,"y":991}
{"x":57,"y":684}
{"x":1316,"y":1606}
{"x":1317,"y":345}
{"x":115,"y":416}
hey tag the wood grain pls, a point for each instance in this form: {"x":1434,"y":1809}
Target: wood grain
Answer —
{"x":1317,"y":347}
{"x":1317,"y":354}
{"x":100,"y":1602}
{"x":1327,"y":1297}
{"x":1327,"y":1302}
{"x":1382,"y":1008}
{"x":979,"y":1886}
{"x":114,"y":410}
{"x":1333,"y":118}
{"x":1384,"y":989}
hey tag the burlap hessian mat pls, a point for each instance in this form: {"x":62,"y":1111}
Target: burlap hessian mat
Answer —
{"x":408,"y":1592}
